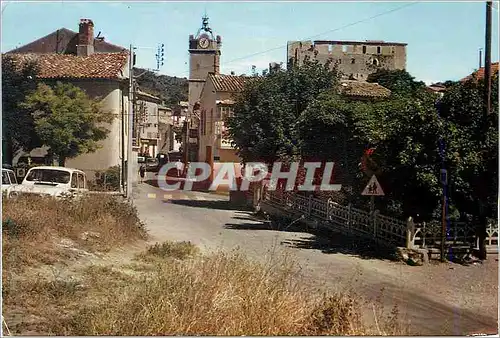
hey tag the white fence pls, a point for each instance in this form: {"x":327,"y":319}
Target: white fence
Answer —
{"x":387,"y":230}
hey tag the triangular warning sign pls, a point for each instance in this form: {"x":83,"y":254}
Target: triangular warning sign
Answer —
{"x":373,"y":188}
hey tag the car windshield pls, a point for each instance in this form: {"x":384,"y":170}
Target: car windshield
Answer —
{"x":49,"y":175}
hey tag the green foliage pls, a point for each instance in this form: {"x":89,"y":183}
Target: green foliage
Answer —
{"x":298,"y":114}
{"x":404,"y":131}
{"x":170,"y":89}
{"x":67,"y":120}
{"x":472,"y":146}
{"x":398,"y":81}
{"x":107,"y":180}
{"x":264,"y":126}
{"x":18,"y":129}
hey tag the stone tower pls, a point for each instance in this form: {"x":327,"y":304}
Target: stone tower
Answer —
{"x":204,"y":58}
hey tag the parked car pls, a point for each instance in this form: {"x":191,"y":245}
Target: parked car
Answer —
{"x":151,"y":164}
{"x":56,"y":182}
{"x":8,"y":179}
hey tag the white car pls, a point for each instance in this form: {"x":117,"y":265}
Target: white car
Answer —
{"x":51,"y":181}
{"x":9,"y":179}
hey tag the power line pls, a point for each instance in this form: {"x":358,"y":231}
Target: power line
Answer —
{"x":317,"y":35}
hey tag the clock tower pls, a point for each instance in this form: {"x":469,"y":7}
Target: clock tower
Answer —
{"x":204,"y":56}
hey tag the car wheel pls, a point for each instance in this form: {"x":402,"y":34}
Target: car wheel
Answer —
{"x":13,"y":195}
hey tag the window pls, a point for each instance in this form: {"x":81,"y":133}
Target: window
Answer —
{"x":375,"y":62}
{"x":344,"y":48}
{"x":353,"y":61}
{"x":340,"y":61}
{"x":330,"y":48}
{"x":364,"y":49}
{"x":49,"y":175}
{"x":379,"y":50}
{"x":5,"y":178}
{"x":13,"y":178}
{"x":74,"y":181}
{"x":81,"y":181}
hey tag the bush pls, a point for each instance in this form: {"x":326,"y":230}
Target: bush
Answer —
{"x":108,"y":180}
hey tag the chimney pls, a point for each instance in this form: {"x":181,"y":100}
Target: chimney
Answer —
{"x":85,"y":45}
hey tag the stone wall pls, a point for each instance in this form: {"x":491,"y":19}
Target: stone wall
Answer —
{"x":355,"y":60}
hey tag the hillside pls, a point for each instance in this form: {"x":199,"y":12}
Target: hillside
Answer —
{"x":170,"y":89}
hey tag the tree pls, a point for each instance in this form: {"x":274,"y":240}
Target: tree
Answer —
{"x":264,"y":126}
{"x":472,"y":152}
{"x":67,"y":120}
{"x":18,"y":129}
{"x":326,"y":129}
{"x":404,"y":131}
{"x":397,"y":81}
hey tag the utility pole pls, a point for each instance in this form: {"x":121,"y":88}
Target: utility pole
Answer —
{"x":130,"y":171}
{"x":487,"y":58}
{"x":483,"y":193}
{"x":480,"y":58}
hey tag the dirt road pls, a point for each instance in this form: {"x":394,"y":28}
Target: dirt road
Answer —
{"x":436,"y":298}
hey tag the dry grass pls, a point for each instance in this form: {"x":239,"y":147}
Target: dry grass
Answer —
{"x":178,"y":250}
{"x":40,"y":230}
{"x":221,"y":294}
{"x":170,"y":290}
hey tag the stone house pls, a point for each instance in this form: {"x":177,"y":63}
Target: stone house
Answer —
{"x":99,"y":68}
{"x":216,"y":103}
{"x":148,"y":124}
{"x":355,"y":59}
{"x":165,"y":130}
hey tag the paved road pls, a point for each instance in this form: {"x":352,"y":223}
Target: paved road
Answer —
{"x":436,"y":299}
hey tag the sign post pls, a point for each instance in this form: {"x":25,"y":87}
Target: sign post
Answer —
{"x":373,"y":189}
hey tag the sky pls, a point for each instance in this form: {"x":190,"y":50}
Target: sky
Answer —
{"x":443,"y":37}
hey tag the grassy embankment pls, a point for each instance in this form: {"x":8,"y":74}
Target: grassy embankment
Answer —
{"x":169,"y":289}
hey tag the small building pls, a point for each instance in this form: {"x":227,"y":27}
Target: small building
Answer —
{"x":148,"y":124}
{"x":165,"y":130}
{"x":479,"y":74}
{"x":363,"y":91}
{"x":437,"y":88}
{"x":96,"y":66}
{"x":216,"y":102}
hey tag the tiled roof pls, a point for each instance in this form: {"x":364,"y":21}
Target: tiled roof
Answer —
{"x":63,"y":41}
{"x":228,"y":83}
{"x":436,"y":88}
{"x":363,"y":89}
{"x":227,"y":102}
{"x":59,"y":66}
{"x":479,"y":74}
{"x":147,"y":95}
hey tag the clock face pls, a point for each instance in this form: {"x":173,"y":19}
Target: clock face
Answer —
{"x":203,"y":42}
